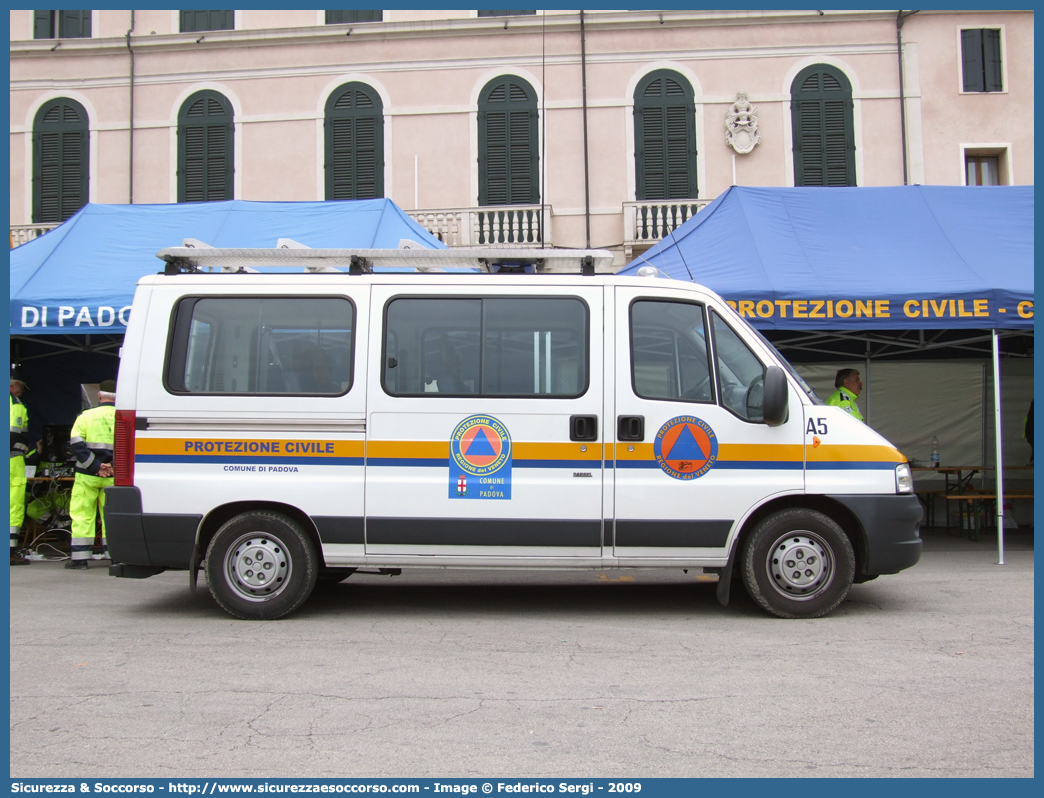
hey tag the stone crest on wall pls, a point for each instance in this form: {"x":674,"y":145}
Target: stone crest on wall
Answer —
{"x":741,"y":125}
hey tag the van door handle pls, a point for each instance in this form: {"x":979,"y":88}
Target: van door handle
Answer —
{"x":583,"y":428}
{"x":630,"y":428}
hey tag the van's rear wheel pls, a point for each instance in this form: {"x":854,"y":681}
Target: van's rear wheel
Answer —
{"x":798,"y":564}
{"x":261,"y":566}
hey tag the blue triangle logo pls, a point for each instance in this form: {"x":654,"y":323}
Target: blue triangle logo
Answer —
{"x":686,"y":448}
{"x":481,"y":447}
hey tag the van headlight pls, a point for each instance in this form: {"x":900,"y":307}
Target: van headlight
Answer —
{"x":903,"y":478}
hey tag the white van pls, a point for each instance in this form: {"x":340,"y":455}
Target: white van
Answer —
{"x":275,"y":428}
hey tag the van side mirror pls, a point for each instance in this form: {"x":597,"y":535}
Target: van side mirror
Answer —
{"x":776,"y":396}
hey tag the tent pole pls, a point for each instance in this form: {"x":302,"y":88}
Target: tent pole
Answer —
{"x":866,"y":388}
{"x":1000,"y":447}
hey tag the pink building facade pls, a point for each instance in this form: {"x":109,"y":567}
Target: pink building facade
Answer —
{"x":424,"y":128}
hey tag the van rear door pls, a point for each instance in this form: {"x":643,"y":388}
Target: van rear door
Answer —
{"x":484,"y":422}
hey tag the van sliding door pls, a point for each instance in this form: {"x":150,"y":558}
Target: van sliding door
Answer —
{"x":485,"y":424}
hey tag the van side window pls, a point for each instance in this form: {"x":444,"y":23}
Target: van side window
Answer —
{"x":741,"y":375}
{"x":669,"y":352}
{"x":261,"y":345}
{"x":486,"y":346}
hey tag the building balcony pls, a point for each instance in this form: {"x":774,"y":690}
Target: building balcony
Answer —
{"x":648,"y":222}
{"x":22,"y":233}
{"x":514,"y":226}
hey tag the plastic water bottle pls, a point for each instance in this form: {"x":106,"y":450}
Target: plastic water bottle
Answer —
{"x":935,"y":451}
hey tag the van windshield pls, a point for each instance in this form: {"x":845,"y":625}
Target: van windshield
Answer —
{"x":808,"y":389}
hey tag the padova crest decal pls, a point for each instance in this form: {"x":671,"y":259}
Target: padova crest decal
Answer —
{"x":686,"y":447}
{"x":480,"y":460}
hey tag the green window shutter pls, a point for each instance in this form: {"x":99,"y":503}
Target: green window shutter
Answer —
{"x":43,"y":24}
{"x":508,"y":143}
{"x":197,"y":21}
{"x":61,"y":152}
{"x":354,"y":139}
{"x":206,"y":163}
{"x":991,"y":60}
{"x":74,"y":24}
{"x":665,"y":138}
{"x":824,"y":141}
{"x":351,"y":15}
{"x":971,"y":60}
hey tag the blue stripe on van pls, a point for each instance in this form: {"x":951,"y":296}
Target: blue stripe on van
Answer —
{"x":576,"y":465}
{"x":761,"y":465}
{"x":408,"y":462}
{"x":855,"y":465}
{"x":769,"y":465}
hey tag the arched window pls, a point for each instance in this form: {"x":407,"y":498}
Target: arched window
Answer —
{"x":61,"y":160}
{"x":664,"y":137}
{"x":354,"y":143}
{"x":509,"y":156}
{"x":821,"y":112}
{"x":205,"y":148}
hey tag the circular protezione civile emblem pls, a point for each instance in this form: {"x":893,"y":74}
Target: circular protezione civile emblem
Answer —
{"x":480,"y":445}
{"x":686,"y":447}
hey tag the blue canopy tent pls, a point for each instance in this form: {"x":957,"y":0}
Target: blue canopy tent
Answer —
{"x":903,"y":257}
{"x":80,"y":277}
{"x":71,"y":289}
{"x":948,"y":267}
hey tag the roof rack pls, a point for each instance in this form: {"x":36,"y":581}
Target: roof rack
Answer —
{"x":195,"y":256}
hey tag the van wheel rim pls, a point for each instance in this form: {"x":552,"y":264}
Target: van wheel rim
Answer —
{"x":800,"y":565}
{"x":257,"y":567}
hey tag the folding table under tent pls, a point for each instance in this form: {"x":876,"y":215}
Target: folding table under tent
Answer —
{"x":855,"y":262}
{"x":71,"y":289}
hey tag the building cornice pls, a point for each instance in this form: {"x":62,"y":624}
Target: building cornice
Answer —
{"x":559,"y":22}
{"x":532,"y":60}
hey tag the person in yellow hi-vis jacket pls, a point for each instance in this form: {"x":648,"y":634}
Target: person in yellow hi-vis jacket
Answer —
{"x":849,"y":386}
{"x":19,"y":450}
{"x":91,"y":443}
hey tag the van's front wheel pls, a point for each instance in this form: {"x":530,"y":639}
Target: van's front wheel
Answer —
{"x":261,"y":566}
{"x":798,"y":564}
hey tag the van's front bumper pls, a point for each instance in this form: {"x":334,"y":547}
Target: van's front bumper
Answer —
{"x":892,"y":527}
{"x":138,"y":539}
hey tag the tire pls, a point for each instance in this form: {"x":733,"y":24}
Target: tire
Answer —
{"x":798,"y":564}
{"x":286,"y":556}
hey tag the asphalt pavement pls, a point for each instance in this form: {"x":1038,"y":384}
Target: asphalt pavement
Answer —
{"x":440,"y":673}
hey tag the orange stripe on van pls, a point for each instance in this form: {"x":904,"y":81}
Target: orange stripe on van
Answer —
{"x":762,"y":452}
{"x":241,"y":446}
{"x":843,"y":453}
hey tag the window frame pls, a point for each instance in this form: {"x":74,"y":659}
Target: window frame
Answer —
{"x":37,"y":164}
{"x":845,"y":96}
{"x":328,"y":140}
{"x":532,"y":108}
{"x":180,"y":325}
{"x":350,"y":12}
{"x":712,"y":366}
{"x":479,"y":395}
{"x":57,"y":21}
{"x":230,"y":155}
{"x":688,"y":101}
{"x":225,"y":25}
{"x":1000,"y":150}
{"x":1003,"y":62}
